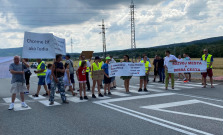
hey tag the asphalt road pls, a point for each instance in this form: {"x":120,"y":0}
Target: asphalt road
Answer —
{"x":189,"y":109}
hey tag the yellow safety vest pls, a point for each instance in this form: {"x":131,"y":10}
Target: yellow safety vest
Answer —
{"x":39,"y":68}
{"x":94,"y":67}
{"x":100,"y":64}
{"x":208,"y":60}
{"x":88,"y":68}
{"x":146,"y":65}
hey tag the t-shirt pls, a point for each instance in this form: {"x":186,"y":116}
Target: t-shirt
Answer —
{"x":167,"y":59}
{"x":82,"y":73}
{"x":60,"y":66}
{"x":17,"y":77}
{"x":48,"y":74}
{"x":187,"y":58}
{"x":160,"y":63}
{"x":105,"y":67}
{"x":154,"y":62}
{"x":71,"y":66}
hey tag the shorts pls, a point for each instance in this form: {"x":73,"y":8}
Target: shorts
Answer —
{"x":27,"y":77}
{"x":209,"y":73}
{"x":145,"y":78}
{"x":155,"y":72}
{"x":126,"y":77}
{"x":107,"y":80}
{"x":42,"y":80}
{"x":72,"y":78}
{"x":112,"y":79}
{"x":18,"y":87}
{"x":49,"y":86}
{"x":82,"y":81}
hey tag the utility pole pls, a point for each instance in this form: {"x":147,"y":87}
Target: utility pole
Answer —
{"x":71,"y":43}
{"x":103,"y":37}
{"x":132,"y":11}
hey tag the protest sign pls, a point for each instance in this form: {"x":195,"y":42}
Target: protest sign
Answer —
{"x":126,"y":69}
{"x":87,"y":54}
{"x":98,"y":75}
{"x":191,"y":66}
{"x":4,"y":64}
{"x":60,"y":45}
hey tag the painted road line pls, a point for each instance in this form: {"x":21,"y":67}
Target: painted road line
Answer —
{"x":141,"y":93}
{"x":67,"y":95}
{"x":160,"y":107}
{"x":156,"y":83}
{"x":135,"y":97}
{"x":18,"y":107}
{"x":207,"y":84}
{"x":76,"y":99}
{"x":186,"y":87}
{"x":47,"y":102}
{"x":9,"y":100}
{"x":188,"y":84}
{"x":175,"y":89}
{"x":206,"y":98}
{"x":158,"y":122}
{"x":37,"y":98}
{"x":120,"y":94}
{"x":119,"y":88}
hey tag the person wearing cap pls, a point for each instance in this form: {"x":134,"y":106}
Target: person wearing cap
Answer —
{"x":82,"y":58}
{"x":71,"y":69}
{"x":41,"y":73}
{"x":144,"y":79}
{"x":107,"y":79}
{"x":96,"y":67}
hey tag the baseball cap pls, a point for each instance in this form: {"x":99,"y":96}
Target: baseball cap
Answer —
{"x":107,"y":58}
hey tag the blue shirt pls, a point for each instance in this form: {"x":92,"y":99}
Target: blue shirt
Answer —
{"x":48,"y":74}
{"x":212,"y":60}
{"x":105,"y":67}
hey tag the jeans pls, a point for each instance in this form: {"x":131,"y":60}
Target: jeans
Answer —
{"x":61,"y":89}
{"x":161,"y":74}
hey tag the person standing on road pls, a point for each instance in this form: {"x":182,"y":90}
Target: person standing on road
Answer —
{"x":126,"y":78}
{"x":71,"y":69}
{"x":41,"y":73}
{"x":188,"y":78}
{"x":57,"y":81}
{"x":95,"y":67}
{"x":113,"y":82}
{"x":155,"y":64}
{"x":169,"y":58}
{"x":180,"y":74}
{"x":67,"y":79}
{"x":49,"y":77}
{"x":82,"y":58}
{"x":18,"y":80}
{"x":144,"y":79}
{"x":161,"y":69}
{"x":100,"y":64}
{"x":107,"y":79}
{"x":209,"y":59}
{"x":27,"y":76}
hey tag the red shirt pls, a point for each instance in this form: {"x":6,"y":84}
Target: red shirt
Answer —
{"x":82,"y":73}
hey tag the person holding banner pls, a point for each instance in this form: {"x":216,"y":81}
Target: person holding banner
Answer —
{"x":188,"y":78}
{"x":144,"y":79}
{"x":18,"y":81}
{"x":57,"y":81}
{"x":126,"y":78}
{"x":96,"y":67}
{"x":209,"y":59}
{"x":107,"y":79}
{"x":41,"y":73}
{"x":82,"y":58}
{"x":169,"y":58}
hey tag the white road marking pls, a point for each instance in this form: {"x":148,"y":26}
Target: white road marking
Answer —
{"x":169,"y":88}
{"x":9,"y":100}
{"x":185,"y":87}
{"x":47,"y":102}
{"x":160,"y":107}
{"x":37,"y":98}
{"x":18,"y":107}
{"x":120,"y":94}
{"x":119,"y":88}
{"x":76,"y":99}
{"x":207,"y":84}
{"x":188,"y":84}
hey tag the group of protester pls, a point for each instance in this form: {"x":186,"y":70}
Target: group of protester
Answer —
{"x":61,"y":76}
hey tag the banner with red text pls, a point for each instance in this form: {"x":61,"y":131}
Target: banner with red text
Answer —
{"x":189,"y":66}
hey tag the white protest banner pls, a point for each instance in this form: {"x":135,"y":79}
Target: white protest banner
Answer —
{"x":38,"y":46}
{"x":60,"y":45}
{"x":126,"y":69}
{"x":4,"y":64}
{"x":191,"y":66}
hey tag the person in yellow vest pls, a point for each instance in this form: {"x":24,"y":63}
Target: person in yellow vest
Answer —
{"x":82,"y":58}
{"x":41,"y":73}
{"x":144,"y":79}
{"x":95,"y":67}
{"x":101,"y":64}
{"x":209,"y":59}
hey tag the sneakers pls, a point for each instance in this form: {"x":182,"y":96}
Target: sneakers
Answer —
{"x":140,"y":90}
{"x":93,"y":96}
{"x":105,"y":94}
{"x":146,"y":90}
{"x":11,"y":106}
{"x":24,"y":105}
{"x":114,"y":86}
{"x":85,"y":97}
{"x":46,"y":94}
{"x":35,"y":95}
{"x":81,"y":98}
{"x":51,"y":103}
{"x":109,"y":93}
{"x":100,"y":95}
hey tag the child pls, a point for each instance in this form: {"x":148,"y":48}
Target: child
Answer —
{"x":81,"y":75}
{"x":66,"y":79}
{"x":107,"y":79}
{"x":49,"y":77}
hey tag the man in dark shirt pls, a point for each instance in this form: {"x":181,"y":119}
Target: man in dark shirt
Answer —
{"x":161,"y":69}
{"x":155,"y":63}
{"x":57,"y":81}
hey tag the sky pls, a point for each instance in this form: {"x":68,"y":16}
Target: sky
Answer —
{"x":158,"y":22}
